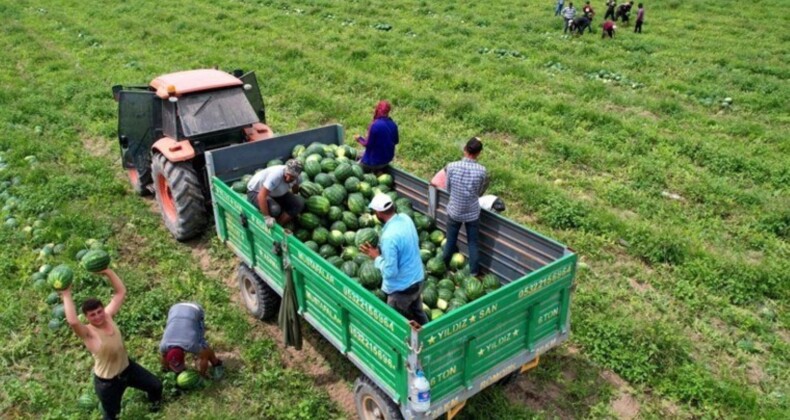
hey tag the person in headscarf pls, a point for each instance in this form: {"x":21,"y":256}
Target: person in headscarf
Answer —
{"x":381,"y":140}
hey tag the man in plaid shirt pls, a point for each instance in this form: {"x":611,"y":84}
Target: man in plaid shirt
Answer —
{"x":466,"y":181}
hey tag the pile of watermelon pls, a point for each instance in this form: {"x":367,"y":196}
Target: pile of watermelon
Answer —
{"x":336,"y":222}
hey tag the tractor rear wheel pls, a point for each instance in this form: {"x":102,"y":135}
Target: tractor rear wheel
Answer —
{"x":180,"y":197}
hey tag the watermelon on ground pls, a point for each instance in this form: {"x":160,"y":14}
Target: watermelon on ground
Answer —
{"x":188,"y":379}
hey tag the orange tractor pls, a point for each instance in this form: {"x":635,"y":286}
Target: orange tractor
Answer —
{"x":165,"y":128}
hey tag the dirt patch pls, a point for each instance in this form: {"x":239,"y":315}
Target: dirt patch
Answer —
{"x":97,"y":146}
{"x":625,"y":406}
{"x":536,"y":397}
{"x":755,"y":374}
{"x":639,"y":287}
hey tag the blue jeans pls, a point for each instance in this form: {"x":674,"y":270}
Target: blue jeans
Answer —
{"x":451,"y":246}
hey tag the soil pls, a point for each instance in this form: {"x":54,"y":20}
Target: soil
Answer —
{"x":624,"y":405}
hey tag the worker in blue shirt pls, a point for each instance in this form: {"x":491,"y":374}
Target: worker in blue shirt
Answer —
{"x":381,"y":141}
{"x":398,"y":259}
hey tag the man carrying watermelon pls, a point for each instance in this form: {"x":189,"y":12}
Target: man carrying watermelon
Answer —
{"x":186,"y":333}
{"x":113,"y":371}
{"x":273,"y":192}
{"x":398,"y":259}
{"x":466,"y":181}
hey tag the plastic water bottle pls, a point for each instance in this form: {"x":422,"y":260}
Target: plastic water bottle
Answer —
{"x":420,"y":395}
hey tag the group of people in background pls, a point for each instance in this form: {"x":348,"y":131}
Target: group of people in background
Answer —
{"x":574,"y":23}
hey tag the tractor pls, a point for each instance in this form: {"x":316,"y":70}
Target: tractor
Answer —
{"x":165,"y":128}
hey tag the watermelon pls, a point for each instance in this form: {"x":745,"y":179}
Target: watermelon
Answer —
{"x":454,"y":304}
{"x":445,"y":294}
{"x":336,"y":194}
{"x":336,"y":238}
{"x":436,"y":314}
{"x":53,"y":298}
{"x":335,"y":214}
{"x":431,"y":281}
{"x":349,"y":253}
{"x":473,"y":288}
{"x":239,"y":187}
{"x":367,"y":220}
{"x":429,"y":296}
{"x":369,"y":275}
{"x":357,"y":170}
{"x":366,"y":235}
{"x":309,"y":221}
{"x":446,"y":284}
{"x":54,"y":324}
{"x":380,"y":189}
{"x":436,"y":266}
{"x":361,"y":259}
{"x":350,"y":220}
{"x":312,"y":168}
{"x":323,"y":180}
{"x":308,"y":189}
{"x":326,"y":251}
{"x":274,"y":162}
{"x":490,"y":282}
{"x":402,"y":204}
{"x":437,"y":236}
{"x":303,"y":235}
{"x":350,"y":237}
{"x":385,"y":179}
{"x":457,"y":261}
{"x":59,"y":312}
{"x":40,"y":284}
{"x":312,"y":245}
{"x":95,"y":260}
{"x":357,"y":203}
{"x":365,"y":189}
{"x":320,"y":235}
{"x":188,"y":379}
{"x":425,"y":255}
{"x":352,"y":184}
{"x":318,"y":204}
{"x":45,"y":269}
{"x":87,"y":401}
{"x":460,"y":294}
{"x":60,"y":277}
{"x":343,"y":172}
{"x":328,"y":164}
{"x":297,"y":150}
{"x":441,"y":304}
{"x":81,"y":253}
{"x":334,"y":260}
{"x":428,"y":246}
{"x":350,"y":268}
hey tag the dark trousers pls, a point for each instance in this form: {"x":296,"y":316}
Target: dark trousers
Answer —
{"x":375,"y":169}
{"x":451,"y":246}
{"x":288,"y":202}
{"x":408,"y":303}
{"x":110,"y":391}
{"x":638,"y":27}
{"x":609,"y":14}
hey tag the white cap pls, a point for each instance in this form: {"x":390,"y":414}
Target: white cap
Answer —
{"x":380,"y":202}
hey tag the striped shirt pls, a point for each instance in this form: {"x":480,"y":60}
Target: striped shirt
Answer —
{"x":466,"y":180}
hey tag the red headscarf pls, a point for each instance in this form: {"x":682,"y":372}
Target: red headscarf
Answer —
{"x":382,"y":110}
{"x":175,"y":359}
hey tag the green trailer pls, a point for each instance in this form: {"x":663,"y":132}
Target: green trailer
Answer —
{"x":490,"y":339}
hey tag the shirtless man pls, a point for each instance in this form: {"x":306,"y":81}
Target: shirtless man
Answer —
{"x":113,"y":371}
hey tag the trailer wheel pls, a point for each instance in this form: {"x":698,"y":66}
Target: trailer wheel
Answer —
{"x":180,"y":197}
{"x":261,"y":300}
{"x":372,"y":403}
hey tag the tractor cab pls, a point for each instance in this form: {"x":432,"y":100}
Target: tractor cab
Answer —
{"x":173,"y":121}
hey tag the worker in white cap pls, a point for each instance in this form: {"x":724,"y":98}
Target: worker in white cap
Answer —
{"x":398,"y":259}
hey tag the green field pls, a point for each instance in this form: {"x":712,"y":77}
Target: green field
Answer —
{"x":626,"y":150}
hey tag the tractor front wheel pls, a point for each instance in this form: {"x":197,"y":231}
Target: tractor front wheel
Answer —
{"x":180,"y":197}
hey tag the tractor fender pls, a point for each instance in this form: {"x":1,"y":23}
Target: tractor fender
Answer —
{"x":257,"y":132}
{"x":174,"y":151}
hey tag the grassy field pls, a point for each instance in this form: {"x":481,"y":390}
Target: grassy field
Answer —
{"x":677,"y":201}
